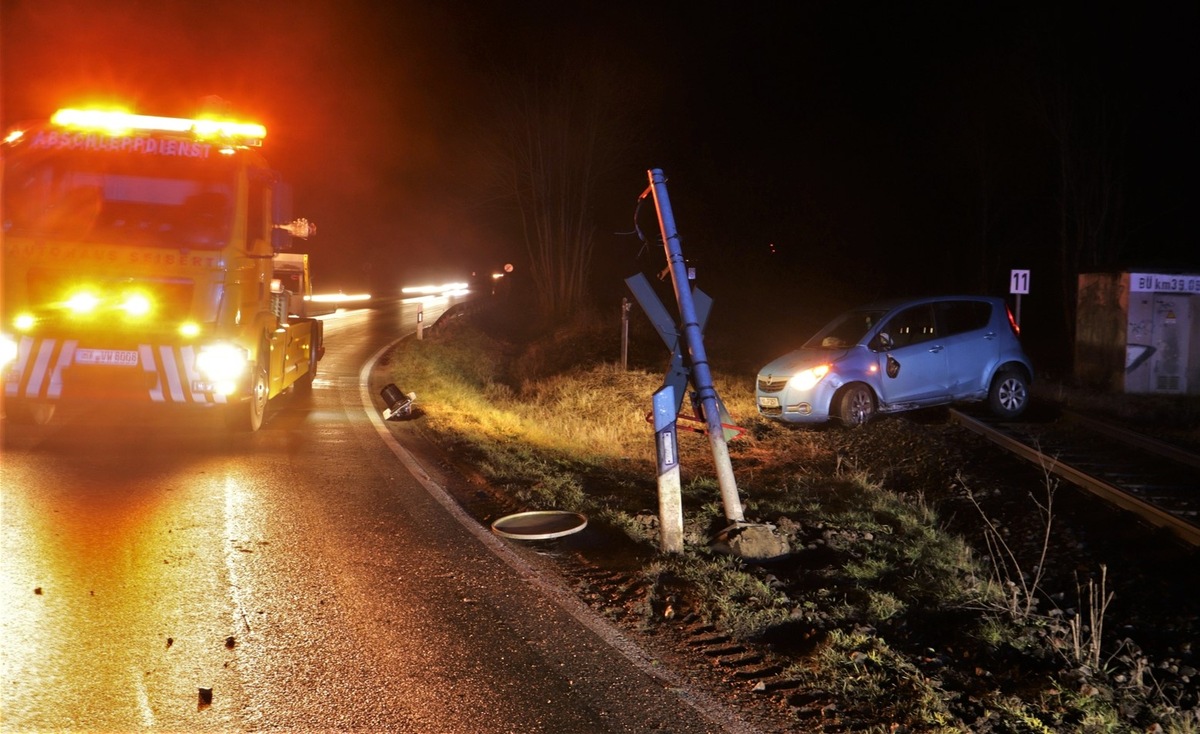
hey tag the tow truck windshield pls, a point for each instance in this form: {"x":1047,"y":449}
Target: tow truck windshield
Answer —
{"x":99,"y":196}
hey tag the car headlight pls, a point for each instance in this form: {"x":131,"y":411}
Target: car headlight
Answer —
{"x":222,"y":362}
{"x":806,"y":379}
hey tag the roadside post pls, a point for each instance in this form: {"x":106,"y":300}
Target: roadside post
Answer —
{"x":420,"y":321}
{"x":752,"y":541}
{"x":694,"y":341}
{"x":670,"y":497}
{"x":625,"y":306}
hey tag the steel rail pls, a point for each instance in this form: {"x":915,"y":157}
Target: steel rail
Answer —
{"x":1184,"y":530}
{"x":1146,"y":443}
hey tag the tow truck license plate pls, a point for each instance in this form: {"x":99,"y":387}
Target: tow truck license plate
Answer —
{"x":117,"y":357}
{"x":769,"y":402}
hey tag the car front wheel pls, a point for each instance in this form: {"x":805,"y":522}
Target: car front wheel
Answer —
{"x":856,"y":405}
{"x":1009,"y":395}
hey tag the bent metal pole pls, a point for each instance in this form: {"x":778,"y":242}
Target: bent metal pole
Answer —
{"x":694,"y":339}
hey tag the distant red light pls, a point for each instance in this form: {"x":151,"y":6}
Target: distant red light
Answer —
{"x":1012,"y":321}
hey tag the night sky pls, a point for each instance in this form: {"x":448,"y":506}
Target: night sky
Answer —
{"x":819,"y":154}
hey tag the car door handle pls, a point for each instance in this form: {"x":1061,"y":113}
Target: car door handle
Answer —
{"x":990,"y":335}
{"x":936,"y":348}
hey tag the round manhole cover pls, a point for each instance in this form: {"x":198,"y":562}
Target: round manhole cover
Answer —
{"x":539,"y":525}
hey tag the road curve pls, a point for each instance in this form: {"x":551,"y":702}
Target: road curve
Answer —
{"x":312,"y":577}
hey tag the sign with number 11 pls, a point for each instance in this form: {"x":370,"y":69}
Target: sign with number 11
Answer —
{"x":1019,"y":282}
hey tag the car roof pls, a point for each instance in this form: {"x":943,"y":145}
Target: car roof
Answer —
{"x":891,"y":303}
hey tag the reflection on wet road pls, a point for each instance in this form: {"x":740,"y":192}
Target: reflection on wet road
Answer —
{"x":159,"y":573}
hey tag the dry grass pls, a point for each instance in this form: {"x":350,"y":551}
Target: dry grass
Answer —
{"x":556,"y":423}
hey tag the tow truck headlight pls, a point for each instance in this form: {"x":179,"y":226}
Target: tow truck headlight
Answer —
{"x":8,"y":350}
{"x":806,"y":379}
{"x":222,"y":365}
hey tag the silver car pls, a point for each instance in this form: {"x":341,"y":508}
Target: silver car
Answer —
{"x":900,"y":355}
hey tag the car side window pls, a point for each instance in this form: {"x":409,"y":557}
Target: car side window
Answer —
{"x":959,"y":317}
{"x":911,"y":326}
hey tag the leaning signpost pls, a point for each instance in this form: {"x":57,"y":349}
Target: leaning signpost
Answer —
{"x":670,"y":495}
{"x":742,"y":537}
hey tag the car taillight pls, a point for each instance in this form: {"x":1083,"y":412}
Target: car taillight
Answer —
{"x":1012,"y":322}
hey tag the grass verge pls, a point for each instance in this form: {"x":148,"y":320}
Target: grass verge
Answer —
{"x":889,"y":622}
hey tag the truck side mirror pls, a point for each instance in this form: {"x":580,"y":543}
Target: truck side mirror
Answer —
{"x":301,"y":228}
{"x":283,"y":227}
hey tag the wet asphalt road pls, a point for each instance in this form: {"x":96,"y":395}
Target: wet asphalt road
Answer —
{"x":303,"y":574}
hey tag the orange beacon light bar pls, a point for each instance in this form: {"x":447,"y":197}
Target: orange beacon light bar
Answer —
{"x":116,"y":123}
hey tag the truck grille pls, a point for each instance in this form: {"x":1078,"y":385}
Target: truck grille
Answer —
{"x":48,"y":370}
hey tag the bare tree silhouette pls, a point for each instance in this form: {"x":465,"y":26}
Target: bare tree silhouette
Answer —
{"x":559,"y":132}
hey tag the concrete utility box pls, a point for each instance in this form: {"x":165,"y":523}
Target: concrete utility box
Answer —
{"x":1138,"y":332}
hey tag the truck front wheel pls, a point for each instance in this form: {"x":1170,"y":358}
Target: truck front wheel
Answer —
{"x":248,"y":415}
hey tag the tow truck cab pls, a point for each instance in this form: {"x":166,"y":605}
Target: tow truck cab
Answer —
{"x":138,"y":266}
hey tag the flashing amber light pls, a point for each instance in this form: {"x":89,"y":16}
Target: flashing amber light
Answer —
{"x":118,"y":122}
{"x":135,"y":304}
{"x":83,"y":302}
{"x":24,"y":322}
{"x":189,"y":329}
{"x":14,"y":136}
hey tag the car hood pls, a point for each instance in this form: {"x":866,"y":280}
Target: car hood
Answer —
{"x":801,"y":359}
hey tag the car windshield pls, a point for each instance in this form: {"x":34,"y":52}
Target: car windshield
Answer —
{"x":846,"y":330}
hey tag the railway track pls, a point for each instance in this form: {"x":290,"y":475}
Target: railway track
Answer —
{"x":1158,"y":482}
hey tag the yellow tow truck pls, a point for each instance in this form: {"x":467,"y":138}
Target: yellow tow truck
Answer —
{"x":138,"y":266}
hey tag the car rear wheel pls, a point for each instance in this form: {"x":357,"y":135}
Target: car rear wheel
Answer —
{"x":856,"y":405}
{"x":1009,"y":395}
